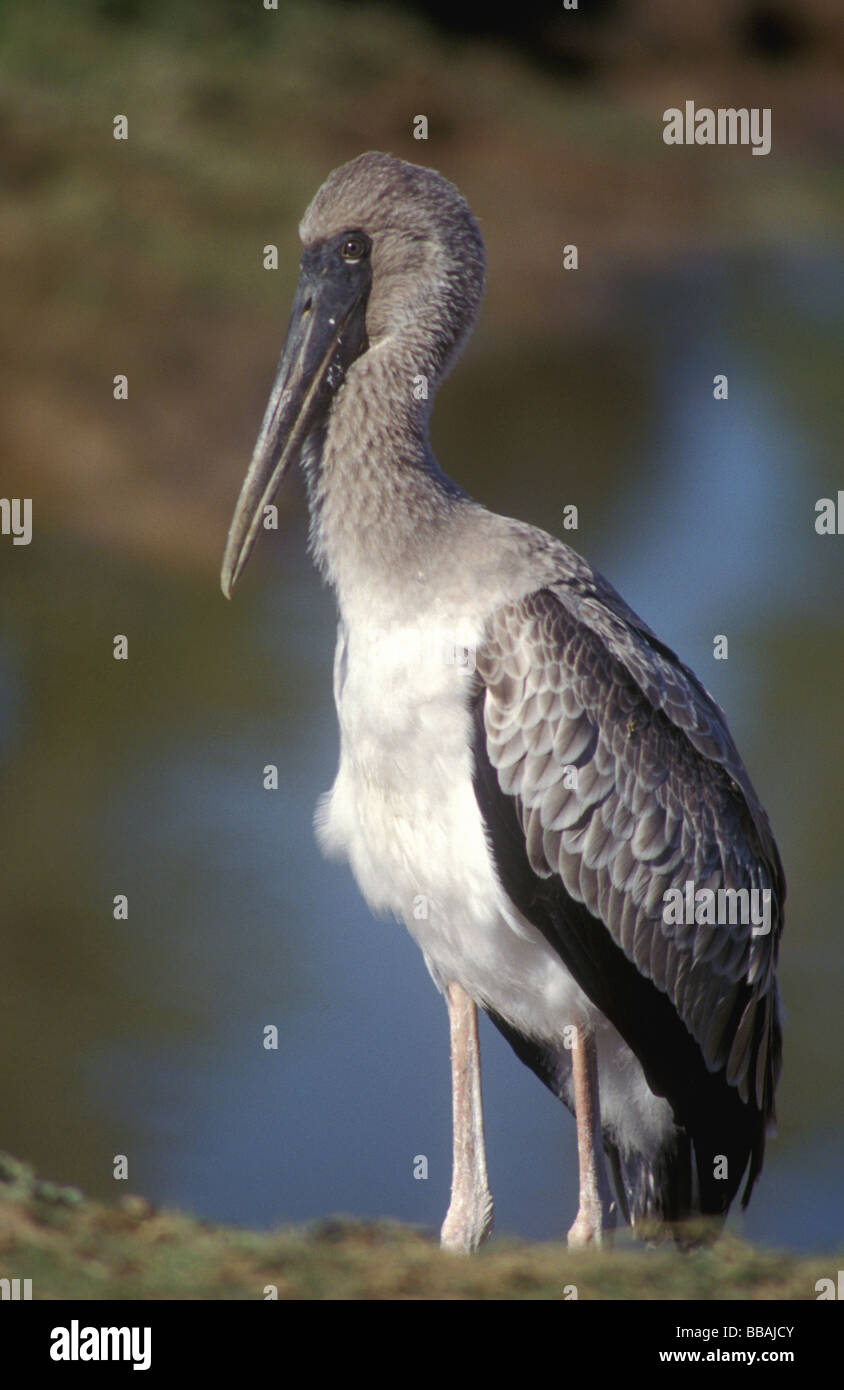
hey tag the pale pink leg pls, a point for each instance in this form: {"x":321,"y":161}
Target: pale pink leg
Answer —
{"x":468,"y":1222}
{"x":596,"y":1212}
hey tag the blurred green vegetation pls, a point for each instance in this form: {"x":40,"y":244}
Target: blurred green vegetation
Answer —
{"x":144,"y":256}
{"x":72,"y":1248}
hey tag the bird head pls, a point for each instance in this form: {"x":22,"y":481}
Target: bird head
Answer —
{"x":392,"y":258}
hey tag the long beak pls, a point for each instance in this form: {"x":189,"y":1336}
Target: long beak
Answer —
{"x":326,"y":332}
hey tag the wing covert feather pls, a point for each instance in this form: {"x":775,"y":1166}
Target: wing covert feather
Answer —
{"x":573,"y":680}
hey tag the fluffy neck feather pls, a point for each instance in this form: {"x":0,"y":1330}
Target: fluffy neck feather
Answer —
{"x":379,"y":503}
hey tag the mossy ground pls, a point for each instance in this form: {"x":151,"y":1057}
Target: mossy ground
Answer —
{"x":74,"y":1248}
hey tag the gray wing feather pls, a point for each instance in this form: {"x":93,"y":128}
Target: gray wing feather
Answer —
{"x":574,"y":679}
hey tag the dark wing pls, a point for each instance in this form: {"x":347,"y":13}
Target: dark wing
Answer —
{"x":570,"y":677}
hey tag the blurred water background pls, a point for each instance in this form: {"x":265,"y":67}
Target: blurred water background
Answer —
{"x":592,"y":387}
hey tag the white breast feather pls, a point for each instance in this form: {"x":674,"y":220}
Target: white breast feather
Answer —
{"x":403,"y":812}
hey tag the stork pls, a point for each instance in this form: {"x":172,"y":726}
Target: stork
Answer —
{"x":528,"y":776}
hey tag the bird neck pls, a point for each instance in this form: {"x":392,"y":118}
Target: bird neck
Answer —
{"x":379,"y":503}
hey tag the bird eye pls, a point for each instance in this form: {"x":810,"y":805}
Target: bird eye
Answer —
{"x":353,"y":249}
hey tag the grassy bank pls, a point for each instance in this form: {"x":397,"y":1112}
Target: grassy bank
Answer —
{"x":74,"y":1248}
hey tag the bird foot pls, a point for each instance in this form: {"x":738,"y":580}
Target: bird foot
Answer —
{"x":468,"y":1223}
{"x":593,"y":1227}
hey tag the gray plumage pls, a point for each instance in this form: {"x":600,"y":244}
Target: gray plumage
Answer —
{"x":573,"y":677}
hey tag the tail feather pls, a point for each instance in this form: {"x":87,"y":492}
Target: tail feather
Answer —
{"x":660,"y":1197}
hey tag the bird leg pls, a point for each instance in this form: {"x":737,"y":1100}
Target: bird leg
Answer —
{"x":596,"y":1211}
{"x":468,"y":1221}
